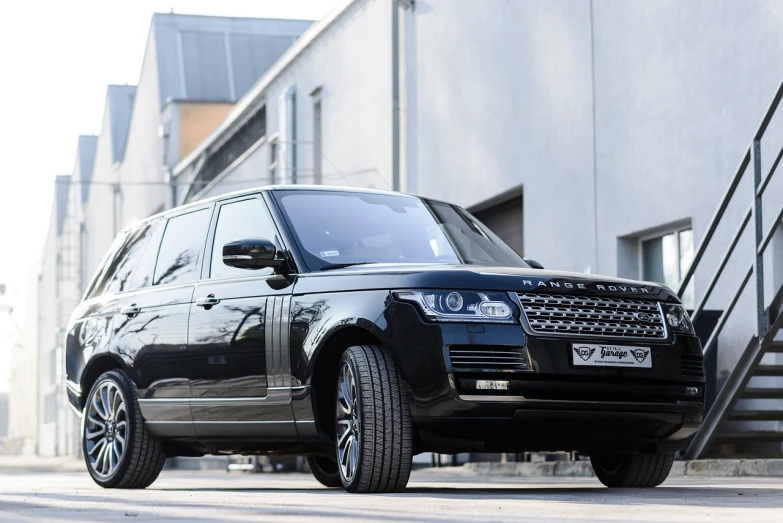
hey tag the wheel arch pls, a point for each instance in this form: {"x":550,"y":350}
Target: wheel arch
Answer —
{"x":324,"y":371}
{"x":94,"y":369}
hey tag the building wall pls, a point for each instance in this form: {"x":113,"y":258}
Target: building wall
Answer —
{"x":99,"y":210}
{"x":616,"y":120}
{"x":23,"y":401}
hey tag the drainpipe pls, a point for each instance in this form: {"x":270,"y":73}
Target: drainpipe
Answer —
{"x":395,"y":44}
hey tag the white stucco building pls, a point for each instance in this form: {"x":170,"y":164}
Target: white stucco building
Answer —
{"x":592,"y":135}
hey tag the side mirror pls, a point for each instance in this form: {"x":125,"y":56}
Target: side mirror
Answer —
{"x":251,"y":253}
{"x":533,"y":263}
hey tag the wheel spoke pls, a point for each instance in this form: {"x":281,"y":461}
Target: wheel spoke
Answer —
{"x":354,"y":456}
{"x":97,"y":408}
{"x":91,"y":435}
{"x":101,"y":443}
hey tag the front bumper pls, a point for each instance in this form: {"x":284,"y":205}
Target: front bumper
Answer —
{"x":551,"y":405}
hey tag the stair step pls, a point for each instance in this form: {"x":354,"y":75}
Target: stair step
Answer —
{"x":749,"y":436}
{"x":755,"y":415}
{"x":759,"y":393}
{"x":776,"y":346}
{"x":716,"y":454}
{"x":769,"y":370}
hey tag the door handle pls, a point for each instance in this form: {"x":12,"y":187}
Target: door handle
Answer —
{"x":207,"y":302}
{"x":131,"y":311}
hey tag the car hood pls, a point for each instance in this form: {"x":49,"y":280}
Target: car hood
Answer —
{"x":477,"y":277}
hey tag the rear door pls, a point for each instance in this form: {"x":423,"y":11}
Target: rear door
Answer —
{"x":240,"y":375}
{"x":152,"y":325}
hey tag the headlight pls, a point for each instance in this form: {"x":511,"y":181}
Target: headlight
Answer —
{"x":461,"y":306}
{"x":678,"y":318}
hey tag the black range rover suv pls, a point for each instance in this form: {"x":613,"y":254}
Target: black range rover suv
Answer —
{"x":359,"y":328}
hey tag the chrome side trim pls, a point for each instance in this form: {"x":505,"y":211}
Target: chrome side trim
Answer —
{"x":479,"y":398}
{"x":73,"y":387}
{"x":482,"y":398}
{"x":278,"y":350}
{"x":275,"y":396}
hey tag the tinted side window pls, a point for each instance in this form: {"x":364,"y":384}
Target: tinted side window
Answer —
{"x":182,"y":243}
{"x":142,"y":276}
{"x":119,"y":274}
{"x":245,"y":219}
{"x":109,"y":259}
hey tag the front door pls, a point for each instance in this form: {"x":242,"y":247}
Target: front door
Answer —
{"x":240,"y":377}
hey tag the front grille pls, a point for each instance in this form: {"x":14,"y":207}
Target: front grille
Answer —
{"x":488,"y":357}
{"x":692,"y":365}
{"x":563,"y":314}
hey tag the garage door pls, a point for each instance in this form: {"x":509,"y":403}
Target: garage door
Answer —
{"x":505,"y":220}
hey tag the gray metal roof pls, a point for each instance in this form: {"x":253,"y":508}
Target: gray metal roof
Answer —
{"x":217,"y":58}
{"x":119,"y":105}
{"x":85,"y":156}
{"x":61,"y":186}
{"x":249,"y":102}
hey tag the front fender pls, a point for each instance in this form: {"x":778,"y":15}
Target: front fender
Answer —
{"x":317,"y":318}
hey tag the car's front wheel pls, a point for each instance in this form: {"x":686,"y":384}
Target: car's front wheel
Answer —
{"x":373,"y":427}
{"x":117,"y":448}
{"x":643,"y":470}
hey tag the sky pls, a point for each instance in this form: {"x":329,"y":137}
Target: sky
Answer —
{"x":56,"y":59}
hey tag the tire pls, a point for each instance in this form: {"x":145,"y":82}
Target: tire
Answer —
{"x":378,"y":422}
{"x":324,"y":469}
{"x":112,"y":415}
{"x":645,"y":470}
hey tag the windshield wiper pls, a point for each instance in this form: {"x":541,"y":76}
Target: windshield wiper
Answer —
{"x":331,"y":266}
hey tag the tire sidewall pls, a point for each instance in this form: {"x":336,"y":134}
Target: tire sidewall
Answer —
{"x":128,"y":398}
{"x":348,"y":358}
{"x":326,"y":478}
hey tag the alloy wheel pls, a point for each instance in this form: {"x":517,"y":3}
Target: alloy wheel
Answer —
{"x":348,"y":423}
{"x":106,"y":429}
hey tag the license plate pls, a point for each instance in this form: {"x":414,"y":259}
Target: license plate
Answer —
{"x":601,"y":355}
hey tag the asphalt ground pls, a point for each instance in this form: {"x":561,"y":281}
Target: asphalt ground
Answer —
{"x":433,"y":495}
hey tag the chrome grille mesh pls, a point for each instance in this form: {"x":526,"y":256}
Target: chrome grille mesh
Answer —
{"x":564,"y":314}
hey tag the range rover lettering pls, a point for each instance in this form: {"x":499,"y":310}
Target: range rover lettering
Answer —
{"x":359,"y":328}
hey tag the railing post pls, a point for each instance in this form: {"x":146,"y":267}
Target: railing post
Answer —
{"x":758,"y":260}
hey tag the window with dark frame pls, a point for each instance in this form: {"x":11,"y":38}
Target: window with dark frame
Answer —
{"x":666,"y":257}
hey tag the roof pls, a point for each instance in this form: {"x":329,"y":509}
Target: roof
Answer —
{"x":119,"y":105}
{"x":217,"y":58}
{"x":250,"y":100}
{"x":61,"y":187}
{"x":85,"y":156}
{"x":262,"y":188}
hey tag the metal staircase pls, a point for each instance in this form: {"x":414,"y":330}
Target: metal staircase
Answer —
{"x":729,"y":428}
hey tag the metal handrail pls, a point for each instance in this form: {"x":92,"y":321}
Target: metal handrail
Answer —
{"x":722,"y":265}
{"x":724,"y":203}
{"x":724,"y":317}
{"x":739,"y":377}
{"x":761,"y":340}
{"x":715,"y":221}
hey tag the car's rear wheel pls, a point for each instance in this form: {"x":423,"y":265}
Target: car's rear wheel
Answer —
{"x":117,"y":448}
{"x":324,"y":469}
{"x":643,"y":470}
{"x":373,"y":426}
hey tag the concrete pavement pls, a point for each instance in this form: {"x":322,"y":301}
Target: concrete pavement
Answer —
{"x":434,"y":495}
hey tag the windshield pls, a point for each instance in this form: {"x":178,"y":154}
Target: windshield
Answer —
{"x":345,"y":228}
